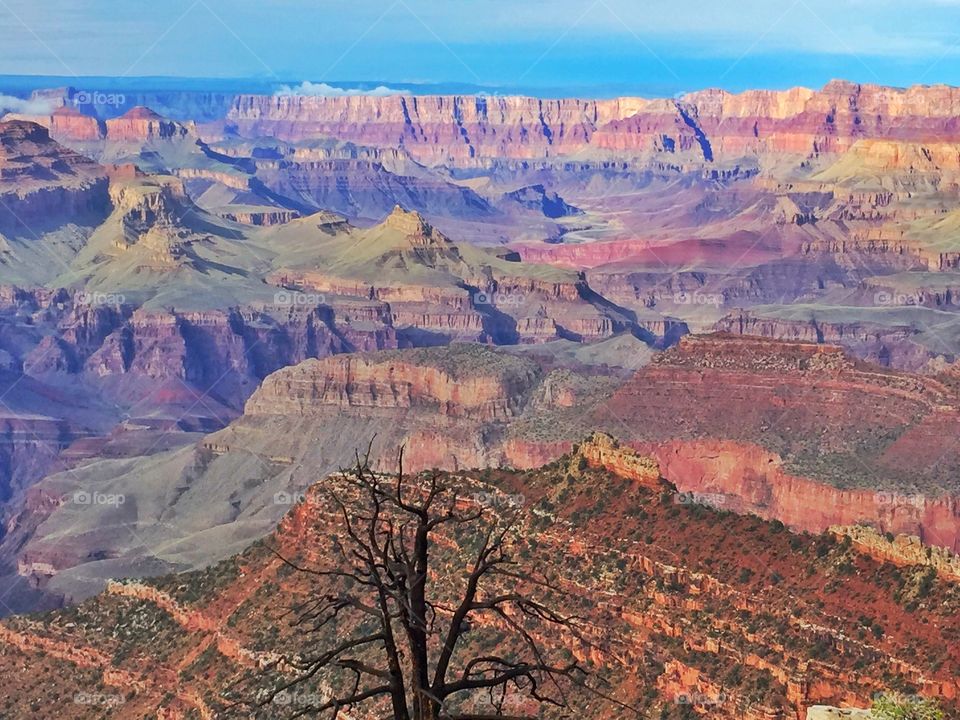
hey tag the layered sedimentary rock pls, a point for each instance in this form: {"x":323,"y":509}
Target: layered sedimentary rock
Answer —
{"x":103,"y":339}
{"x":679,"y":606}
{"x":448,"y":288}
{"x":795,"y":431}
{"x":795,"y":405}
{"x":69,"y":125}
{"x":704,"y":125}
{"x":741,"y":477}
{"x":142,"y":124}
{"x":42,"y":181}
{"x":904,"y":550}
{"x":882,"y":344}
{"x":433,"y":129}
{"x":820,"y":439}
{"x":604,"y":451}
{"x":447,"y":385}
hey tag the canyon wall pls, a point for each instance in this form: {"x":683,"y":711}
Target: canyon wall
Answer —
{"x":392,"y":381}
{"x":119,"y":346}
{"x":701,"y":126}
{"x":885,"y":345}
{"x":745,"y":478}
{"x":42,"y":182}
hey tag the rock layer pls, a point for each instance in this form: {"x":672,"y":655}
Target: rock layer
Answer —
{"x":703,"y":126}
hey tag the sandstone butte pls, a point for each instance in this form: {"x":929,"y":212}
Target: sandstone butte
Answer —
{"x":39,"y":178}
{"x":139,"y":124}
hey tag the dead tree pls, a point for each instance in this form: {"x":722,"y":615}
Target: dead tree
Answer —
{"x":398,"y":641}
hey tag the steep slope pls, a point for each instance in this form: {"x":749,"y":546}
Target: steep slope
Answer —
{"x":911,"y":336}
{"x":157,"y":245}
{"x":706,"y":126}
{"x":790,"y":430}
{"x":819,"y":441}
{"x":50,"y":197}
{"x":186,"y":508}
{"x":684,"y":608}
{"x":134,"y":136}
{"x":768,"y":196}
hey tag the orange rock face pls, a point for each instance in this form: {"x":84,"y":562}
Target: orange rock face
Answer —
{"x":602,"y":450}
{"x":140,"y":124}
{"x":70,"y":123}
{"x":746,"y":478}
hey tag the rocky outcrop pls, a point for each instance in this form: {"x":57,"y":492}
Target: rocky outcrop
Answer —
{"x":456,"y":290}
{"x":261,"y":217}
{"x":537,"y":197}
{"x":432,"y":129}
{"x":238,"y":347}
{"x":902,"y":549}
{"x":67,"y":124}
{"x":885,"y":345}
{"x":824,"y":712}
{"x":141,"y":124}
{"x":451,"y":383}
{"x":748,"y":479}
{"x":603,"y":451}
{"x":726,"y":615}
{"x":794,"y":403}
{"x":103,"y":339}
{"x":44,"y":183}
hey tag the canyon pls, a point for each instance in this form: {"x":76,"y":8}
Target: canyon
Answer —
{"x":822,"y":441}
{"x":711,"y":341}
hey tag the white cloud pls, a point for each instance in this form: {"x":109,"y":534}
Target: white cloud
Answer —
{"x":309,"y":89}
{"x":11,"y":104}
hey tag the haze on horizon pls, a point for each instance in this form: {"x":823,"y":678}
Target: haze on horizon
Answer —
{"x":618,"y":45}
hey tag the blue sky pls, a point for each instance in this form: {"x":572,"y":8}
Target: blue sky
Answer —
{"x":660,"y":46}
